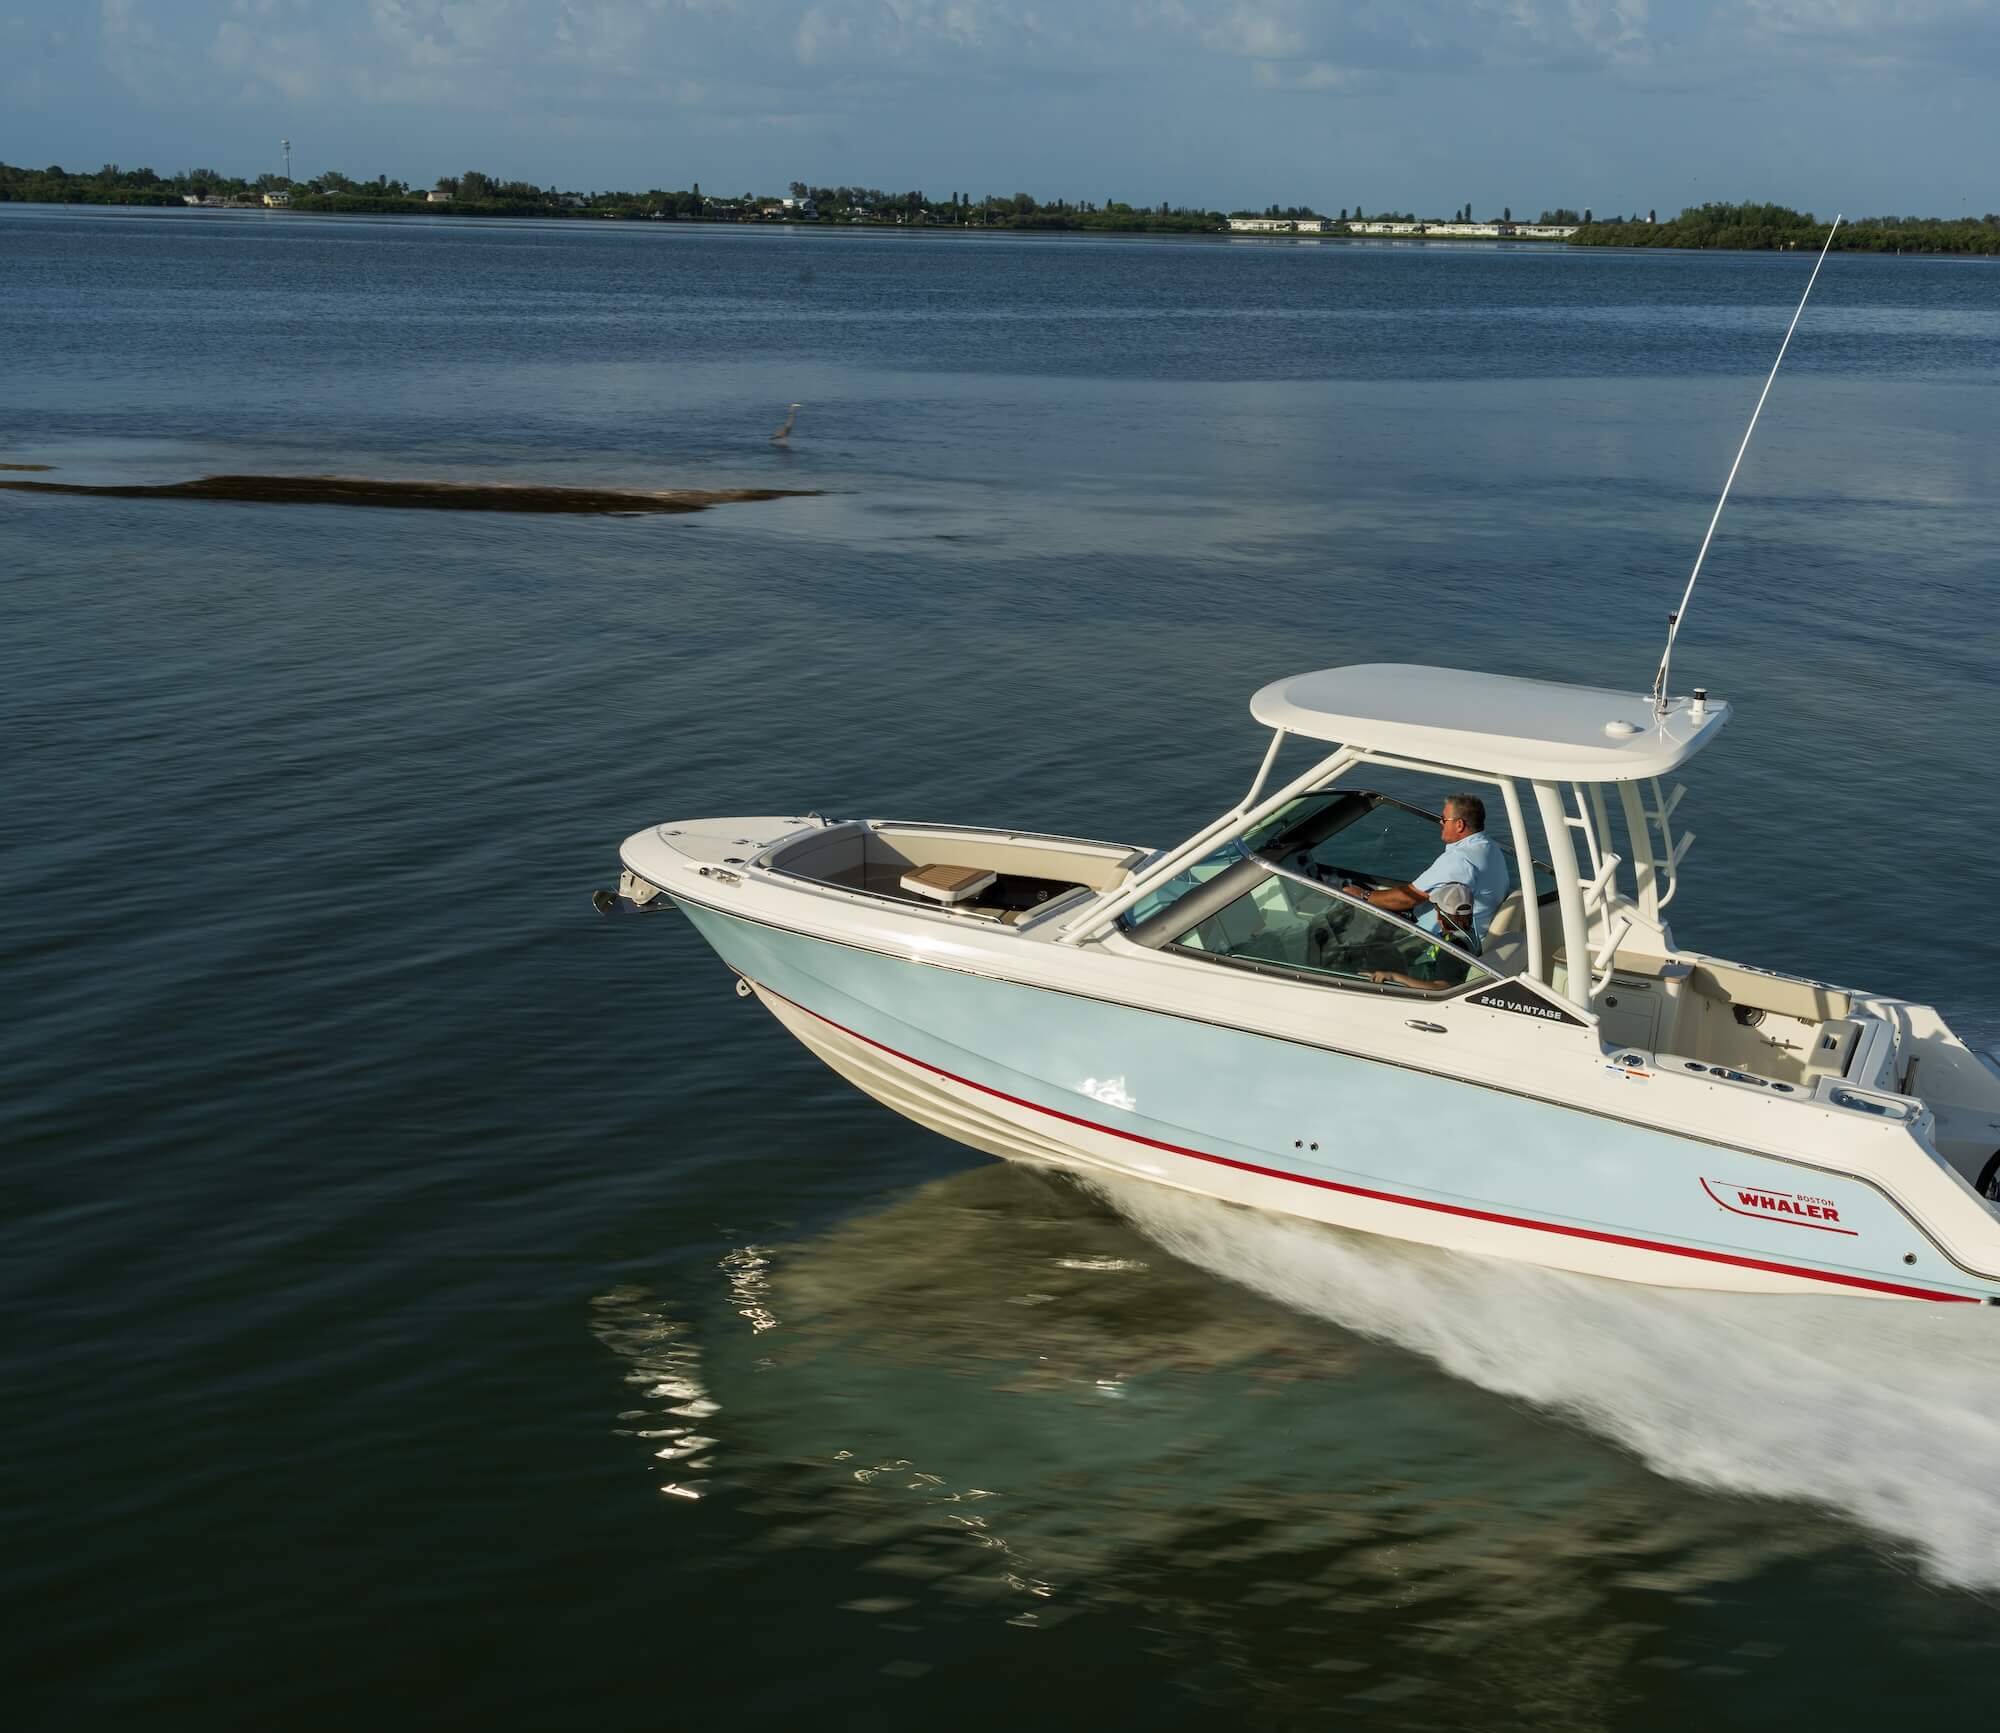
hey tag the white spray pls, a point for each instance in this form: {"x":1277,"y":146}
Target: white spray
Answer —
{"x":1888,"y":1412}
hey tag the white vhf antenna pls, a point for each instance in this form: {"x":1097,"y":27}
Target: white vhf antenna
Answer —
{"x":1679,"y":614}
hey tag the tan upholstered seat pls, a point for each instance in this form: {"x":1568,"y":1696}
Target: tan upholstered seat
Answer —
{"x":944,"y":883}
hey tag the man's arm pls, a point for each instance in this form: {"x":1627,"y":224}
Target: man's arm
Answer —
{"x":1396,"y":978}
{"x":1397,"y":899}
{"x":1400,"y":899}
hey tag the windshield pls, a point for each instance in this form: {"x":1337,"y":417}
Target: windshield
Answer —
{"x":1284,"y":924}
{"x":1339,"y":835}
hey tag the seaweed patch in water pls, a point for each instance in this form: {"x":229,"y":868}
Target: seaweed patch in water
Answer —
{"x":33,"y":466}
{"x":419,"y":495}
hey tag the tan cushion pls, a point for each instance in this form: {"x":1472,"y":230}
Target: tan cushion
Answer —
{"x":944,"y":883}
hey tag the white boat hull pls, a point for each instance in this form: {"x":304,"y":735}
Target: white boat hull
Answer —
{"x":985,"y":1119}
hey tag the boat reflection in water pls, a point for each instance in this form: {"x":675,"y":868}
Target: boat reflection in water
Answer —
{"x":994,"y":1399}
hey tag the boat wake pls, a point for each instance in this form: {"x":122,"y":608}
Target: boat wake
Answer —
{"x":1886,"y":1413}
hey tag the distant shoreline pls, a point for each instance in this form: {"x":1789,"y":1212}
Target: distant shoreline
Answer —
{"x":574,"y":219}
{"x":1709,"y":228}
{"x":1743,"y":227}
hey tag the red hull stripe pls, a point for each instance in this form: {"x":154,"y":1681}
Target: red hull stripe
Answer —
{"x":1451,"y":1209}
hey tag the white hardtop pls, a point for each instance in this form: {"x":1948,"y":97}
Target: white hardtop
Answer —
{"x":1499,"y":723}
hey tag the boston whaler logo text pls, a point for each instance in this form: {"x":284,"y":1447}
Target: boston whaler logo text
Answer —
{"x":1796,"y":1208}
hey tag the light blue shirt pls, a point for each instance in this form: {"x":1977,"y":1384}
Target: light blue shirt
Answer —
{"x":1477,"y":863}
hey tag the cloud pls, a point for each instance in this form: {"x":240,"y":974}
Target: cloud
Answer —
{"x":1946,"y":35}
{"x":1023,"y":92}
{"x":1856,"y":17}
{"x":1311,"y":75}
{"x":1614,"y":29}
{"x":422,"y":36}
{"x":606,"y":35}
{"x":1334,"y":45}
{"x":838,"y":57}
{"x":445,"y":53}
{"x":273,"y":58}
{"x":135,"y":52}
{"x":1268,"y":32}
{"x":820,"y":37}
{"x":912,"y":33}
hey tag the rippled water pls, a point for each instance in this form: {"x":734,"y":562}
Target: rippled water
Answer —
{"x":434,"y":1304}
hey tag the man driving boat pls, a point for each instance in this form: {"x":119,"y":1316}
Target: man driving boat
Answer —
{"x":1470,"y":858}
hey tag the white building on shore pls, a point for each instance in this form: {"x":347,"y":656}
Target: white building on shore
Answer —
{"x":1276,"y":225}
{"x":1443,"y":231}
{"x":1470,"y":231}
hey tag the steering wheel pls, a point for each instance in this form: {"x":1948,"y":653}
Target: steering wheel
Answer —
{"x":1354,"y":875}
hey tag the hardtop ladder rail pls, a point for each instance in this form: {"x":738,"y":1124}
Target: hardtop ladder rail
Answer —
{"x":1661,"y":813}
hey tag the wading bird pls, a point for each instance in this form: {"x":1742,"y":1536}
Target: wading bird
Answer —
{"x":784,"y":433}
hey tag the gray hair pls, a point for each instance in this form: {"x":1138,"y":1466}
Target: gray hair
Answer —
{"x":1468,"y":807}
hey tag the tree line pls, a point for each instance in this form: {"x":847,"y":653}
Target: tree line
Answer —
{"x":1762,"y":228}
{"x":476,"y":193}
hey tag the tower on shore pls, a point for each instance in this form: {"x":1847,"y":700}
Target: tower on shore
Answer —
{"x":285,"y":145}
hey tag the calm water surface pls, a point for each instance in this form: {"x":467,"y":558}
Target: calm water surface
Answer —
{"x":432,"y":1305}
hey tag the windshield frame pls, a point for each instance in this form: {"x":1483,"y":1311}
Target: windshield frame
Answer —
{"x":1486,"y":974}
{"x":1543,"y":899}
{"x":1154,"y":932}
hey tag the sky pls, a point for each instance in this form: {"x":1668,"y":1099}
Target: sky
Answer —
{"x":1868,"y":106}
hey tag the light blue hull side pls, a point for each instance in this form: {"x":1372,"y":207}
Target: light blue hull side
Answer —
{"x":1383,"y":1131}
